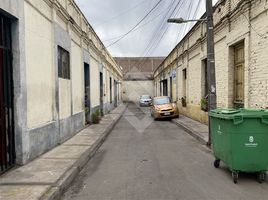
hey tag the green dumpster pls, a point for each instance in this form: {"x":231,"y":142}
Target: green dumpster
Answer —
{"x":240,"y":140}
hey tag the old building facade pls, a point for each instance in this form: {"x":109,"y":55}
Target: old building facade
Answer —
{"x":55,"y":72}
{"x":241,"y":43}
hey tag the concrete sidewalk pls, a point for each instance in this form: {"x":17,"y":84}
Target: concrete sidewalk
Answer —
{"x":194,"y":128}
{"x":49,"y":175}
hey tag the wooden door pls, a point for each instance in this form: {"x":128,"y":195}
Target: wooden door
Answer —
{"x":239,"y":67}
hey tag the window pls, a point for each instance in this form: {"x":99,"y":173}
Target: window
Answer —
{"x":63,"y":63}
{"x":184,"y":74}
{"x":162,"y":101}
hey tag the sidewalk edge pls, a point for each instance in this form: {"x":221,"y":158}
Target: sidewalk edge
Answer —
{"x":190,"y":132}
{"x":55,"y":192}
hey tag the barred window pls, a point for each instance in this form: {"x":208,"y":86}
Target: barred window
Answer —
{"x":63,"y":63}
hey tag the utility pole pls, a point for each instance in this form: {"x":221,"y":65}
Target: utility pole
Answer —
{"x":211,"y":76}
{"x":212,"y":98}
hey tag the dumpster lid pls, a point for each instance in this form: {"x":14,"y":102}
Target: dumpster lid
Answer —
{"x":225,"y":111}
{"x":245,"y":113}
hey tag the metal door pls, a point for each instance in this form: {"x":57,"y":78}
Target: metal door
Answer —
{"x":7,"y":148}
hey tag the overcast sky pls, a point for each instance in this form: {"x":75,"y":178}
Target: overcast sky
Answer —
{"x":153,"y":37}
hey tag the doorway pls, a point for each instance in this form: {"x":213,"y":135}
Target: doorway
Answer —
{"x":171,"y":88}
{"x":165,"y":87}
{"x":101,"y":93}
{"x":239,"y":70}
{"x":87,"y":92}
{"x":115,"y":93}
{"x":7,"y":141}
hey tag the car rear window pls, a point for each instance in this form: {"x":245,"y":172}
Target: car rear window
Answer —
{"x":161,"y":101}
{"x":145,"y":97}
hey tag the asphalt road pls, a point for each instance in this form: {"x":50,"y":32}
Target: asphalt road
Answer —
{"x":144,"y":159}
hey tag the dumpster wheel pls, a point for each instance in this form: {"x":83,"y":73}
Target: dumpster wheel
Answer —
{"x":261,"y":177}
{"x":217,"y":163}
{"x":235,"y":177}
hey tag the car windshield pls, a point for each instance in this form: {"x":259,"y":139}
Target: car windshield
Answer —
{"x":161,"y":101}
{"x":145,"y":97}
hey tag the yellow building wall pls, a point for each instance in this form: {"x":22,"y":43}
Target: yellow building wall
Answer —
{"x":64,"y":98}
{"x":39,"y":67}
{"x":77,"y":78}
{"x":95,"y":82}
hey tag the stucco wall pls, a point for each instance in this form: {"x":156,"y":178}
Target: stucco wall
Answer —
{"x":48,"y":109}
{"x":132,"y":90}
{"x":64,"y":98}
{"x":39,"y":67}
{"x":95,"y":82}
{"x":77,"y":78}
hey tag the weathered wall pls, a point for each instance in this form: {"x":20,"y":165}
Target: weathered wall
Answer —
{"x":235,"y":22}
{"x":77,"y":77}
{"x":95,"y":82}
{"x":48,"y":109}
{"x":15,"y":10}
{"x":132,"y":90}
{"x":39,"y":67}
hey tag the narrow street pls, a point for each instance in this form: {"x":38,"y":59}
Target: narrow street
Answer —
{"x":160,"y":163}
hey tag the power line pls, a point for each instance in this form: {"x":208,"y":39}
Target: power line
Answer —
{"x":182,"y":33}
{"x":136,"y":24}
{"x":152,"y":40}
{"x":190,"y":7}
{"x":158,"y":40}
{"x":121,"y":13}
{"x":141,"y":26}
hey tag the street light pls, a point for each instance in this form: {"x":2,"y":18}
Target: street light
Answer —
{"x":181,"y":20}
{"x":212,"y":98}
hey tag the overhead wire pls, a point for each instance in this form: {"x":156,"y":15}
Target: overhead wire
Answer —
{"x":158,"y":29}
{"x":155,"y":41}
{"x":186,"y":26}
{"x":121,"y":14}
{"x":151,"y":10}
{"x":139,"y":27}
{"x":190,"y":7}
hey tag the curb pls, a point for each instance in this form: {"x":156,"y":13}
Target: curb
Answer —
{"x":55,"y":191}
{"x":191,"y":132}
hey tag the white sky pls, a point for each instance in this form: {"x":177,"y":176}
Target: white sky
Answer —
{"x":113,"y":18}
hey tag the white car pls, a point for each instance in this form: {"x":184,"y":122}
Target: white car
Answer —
{"x":145,"y":100}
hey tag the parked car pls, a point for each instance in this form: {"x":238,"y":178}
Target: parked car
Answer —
{"x":162,"y":107}
{"x":145,"y":100}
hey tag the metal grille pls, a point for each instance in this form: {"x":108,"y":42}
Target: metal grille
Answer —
{"x":7,"y":148}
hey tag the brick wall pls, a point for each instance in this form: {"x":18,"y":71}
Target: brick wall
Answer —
{"x":236,"y":21}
